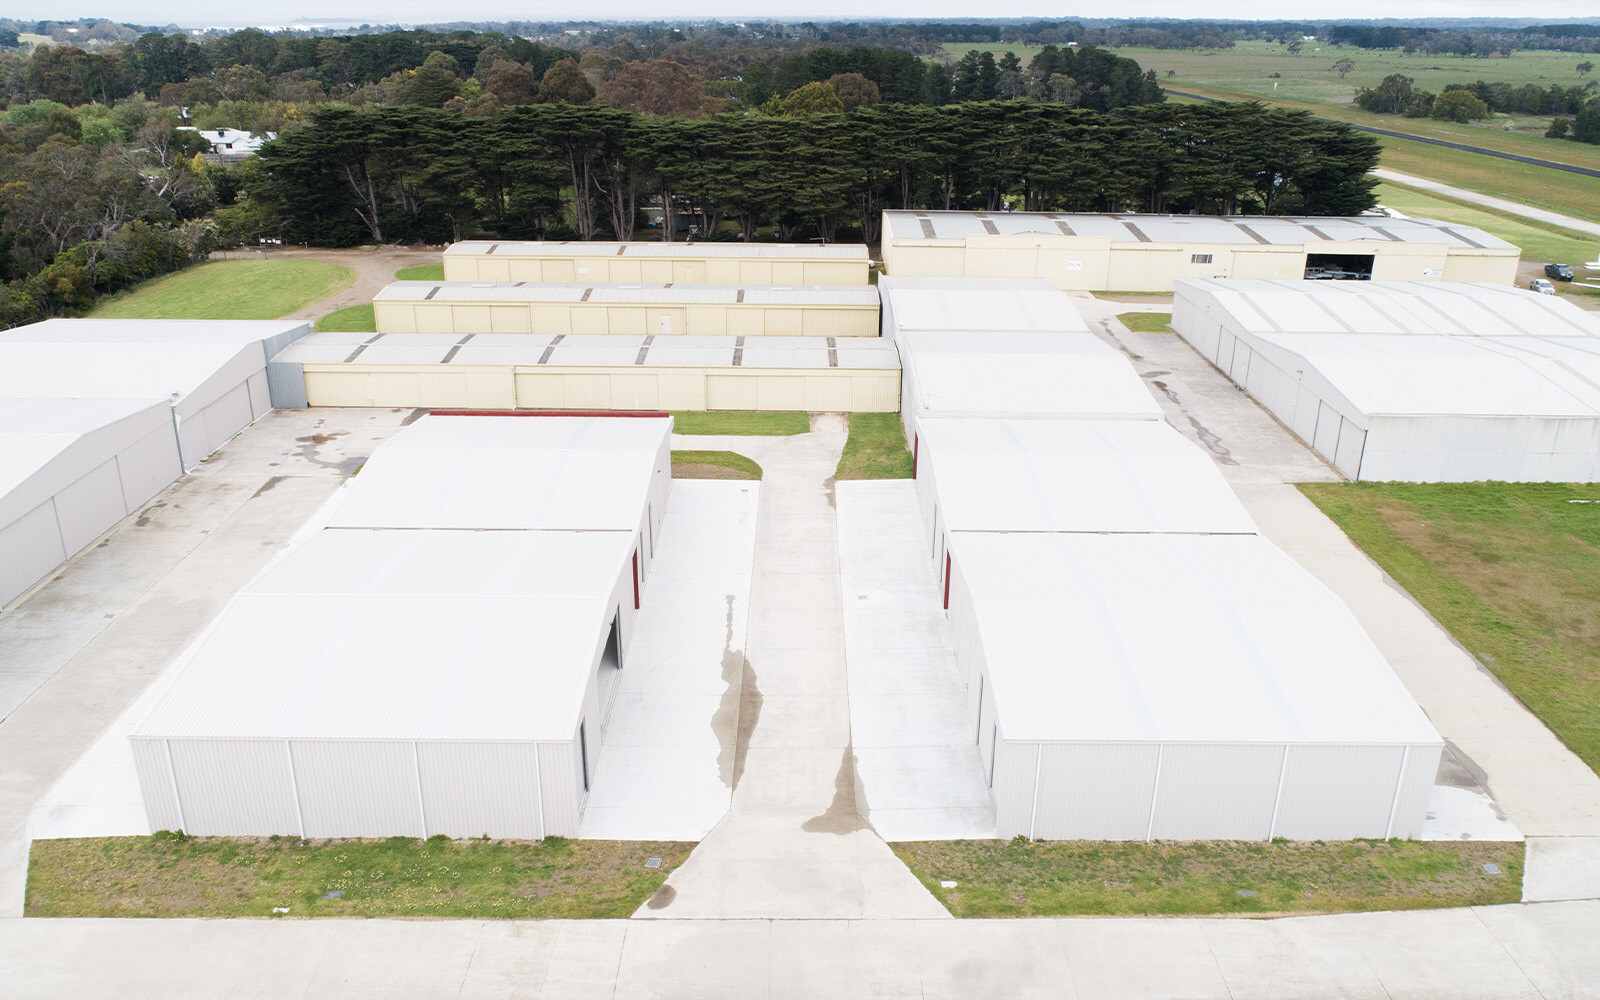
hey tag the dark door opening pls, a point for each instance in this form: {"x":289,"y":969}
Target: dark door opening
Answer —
{"x":609,"y":674}
{"x":583,"y":752}
{"x":1339,"y":266}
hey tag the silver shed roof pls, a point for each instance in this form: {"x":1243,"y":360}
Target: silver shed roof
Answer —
{"x":977,"y":305}
{"x":844,"y":296}
{"x":1256,"y":230}
{"x":585,"y":350}
{"x":576,"y":248}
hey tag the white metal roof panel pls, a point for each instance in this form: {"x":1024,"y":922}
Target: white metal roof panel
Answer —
{"x":442,"y":292}
{"x":1087,"y":386}
{"x":561,"y":249}
{"x":1179,"y":638}
{"x":1076,"y":475}
{"x":530,"y":472}
{"x":954,"y":304}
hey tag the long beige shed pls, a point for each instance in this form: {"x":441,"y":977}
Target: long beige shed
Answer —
{"x":681,"y":263}
{"x":658,"y":309}
{"x":1147,"y":253}
{"x":501,"y":371}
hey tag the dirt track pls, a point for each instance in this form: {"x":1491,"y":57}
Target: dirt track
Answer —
{"x":374,"y":268}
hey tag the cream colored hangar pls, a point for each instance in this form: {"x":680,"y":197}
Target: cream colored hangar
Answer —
{"x":1147,"y":253}
{"x":504,"y":371}
{"x":680,"y":263}
{"x":650,"y":309}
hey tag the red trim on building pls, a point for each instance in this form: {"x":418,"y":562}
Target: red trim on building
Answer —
{"x":947,"y":581}
{"x":636,"y":580}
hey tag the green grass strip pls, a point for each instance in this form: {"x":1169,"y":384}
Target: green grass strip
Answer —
{"x":875,"y":449}
{"x":765,"y":423}
{"x":421,"y":272}
{"x":1018,"y":878}
{"x":352,"y":319}
{"x":1512,"y":570}
{"x":1146,"y":322}
{"x":713,"y":465}
{"x":170,"y":875}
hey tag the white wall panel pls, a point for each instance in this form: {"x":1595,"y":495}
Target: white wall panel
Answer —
{"x":1338,"y":792}
{"x":148,"y":466}
{"x":358,"y":788}
{"x":481,"y":789}
{"x":1016,"y":767}
{"x":1093,"y":791}
{"x":1416,"y":785}
{"x":1216,"y":792}
{"x":89,"y":506}
{"x":260,"y":394}
{"x":234,"y":788}
{"x":30,"y":547}
{"x":155,"y":784}
{"x":561,"y":786}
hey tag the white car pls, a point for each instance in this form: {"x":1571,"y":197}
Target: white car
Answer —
{"x":1542,"y":285}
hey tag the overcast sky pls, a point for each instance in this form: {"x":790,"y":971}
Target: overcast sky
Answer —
{"x":211,"y":12}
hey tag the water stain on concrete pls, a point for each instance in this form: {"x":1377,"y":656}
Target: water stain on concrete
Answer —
{"x":144,"y":515}
{"x":1117,"y":342}
{"x":1209,"y":439}
{"x":841,"y":817}
{"x":738,"y":711}
{"x":662,"y":897}
{"x":308,"y":451}
{"x":833,"y":498}
{"x":268,"y":486}
{"x":413,"y":417}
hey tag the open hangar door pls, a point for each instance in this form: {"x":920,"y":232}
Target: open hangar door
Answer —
{"x":1339,"y":266}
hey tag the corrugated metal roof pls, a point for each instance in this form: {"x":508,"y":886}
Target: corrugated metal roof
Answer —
{"x":508,"y":472}
{"x":838,"y":296}
{"x":690,"y":251}
{"x":1175,"y":638}
{"x":1076,"y":475}
{"x":1246,"y":230}
{"x":1079,"y":376}
{"x":48,"y":444}
{"x":1417,"y":348}
{"x":593,"y":350}
{"x":979,"y":304}
{"x":404,"y":635}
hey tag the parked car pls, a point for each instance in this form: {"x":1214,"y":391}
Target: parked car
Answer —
{"x":1542,"y":285}
{"x":1560,"y":272}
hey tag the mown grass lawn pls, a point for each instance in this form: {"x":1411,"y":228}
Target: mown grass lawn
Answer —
{"x":231,"y":289}
{"x":875,"y":449}
{"x":1146,"y":322}
{"x":170,"y":875}
{"x":998,"y":878}
{"x":713,"y":465}
{"x":1512,"y":570}
{"x":352,"y":319}
{"x":765,"y":423}
{"x":421,"y":272}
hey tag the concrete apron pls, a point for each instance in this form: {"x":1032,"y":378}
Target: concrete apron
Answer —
{"x":793,"y":844}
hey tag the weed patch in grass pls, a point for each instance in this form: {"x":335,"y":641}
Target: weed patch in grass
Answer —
{"x":1018,"y":878}
{"x":231,"y":289}
{"x":1512,"y":570}
{"x":1146,"y":322}
{"x":764,"y":423}
{"x":421,"y":272}
{"x":171,"y":875}
{"x":713,"y":465}
{"x":353,"y":319}
{"x":875,"y":449}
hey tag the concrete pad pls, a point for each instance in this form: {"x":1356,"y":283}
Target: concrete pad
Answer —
{"x":1018,"y":959}
{"x":1558,"y":868}
{"x":233,"y":958}
{"x":511,"y":960}
{"x":1465,"y":814}
{"x":698,"y":957}
{"x":1409,"y":953}
{"x":380,"y":959}
{"x":1150,"y":958}
{"x":1553,"y":944}
{"x":1302,"y":957}
{"x":129,"y":958}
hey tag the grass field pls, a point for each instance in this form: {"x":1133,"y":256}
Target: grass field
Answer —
{"x":997,"y":878}
{"x":875,"y":449}
{"x":713,"y":465}
{"x":354,"y":319}
{"x":767,"y":423}
{"x":170,"y":875}
{"x":1146,"y":322}
{"x":420,"y":272}
{"x":1539,"y":241}
{"x":231,"y":289}
{"x":1511,"y":570}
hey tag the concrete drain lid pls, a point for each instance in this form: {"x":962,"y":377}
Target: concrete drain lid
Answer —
{"x":1246,"y":893}
{"x":1492,"y":868}
{"x":652,"y":863}
{"x":947,"y":884}
{"x":333,"y":894}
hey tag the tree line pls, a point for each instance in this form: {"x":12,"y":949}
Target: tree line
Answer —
{"x":1397,"y":94}
{"x":571,"y":172}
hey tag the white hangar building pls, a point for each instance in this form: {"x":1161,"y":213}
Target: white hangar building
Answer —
{"x":98,"y":416}
{"x":680,"y":263}
{"x":1147,"y":253}
{"x":458,"y":628}
{"x":1419,"y":382}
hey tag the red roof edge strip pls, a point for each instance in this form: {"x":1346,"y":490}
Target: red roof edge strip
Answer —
{"x":548,"y":413}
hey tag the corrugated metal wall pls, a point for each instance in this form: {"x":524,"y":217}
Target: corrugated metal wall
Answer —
{"x":1338,"y":792}
{"x":230,"y":788}
{"x":357,"y":788}
{"x":1216,"y":792}
{"x":481,"y":789}
{"x":1093,"y":791}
